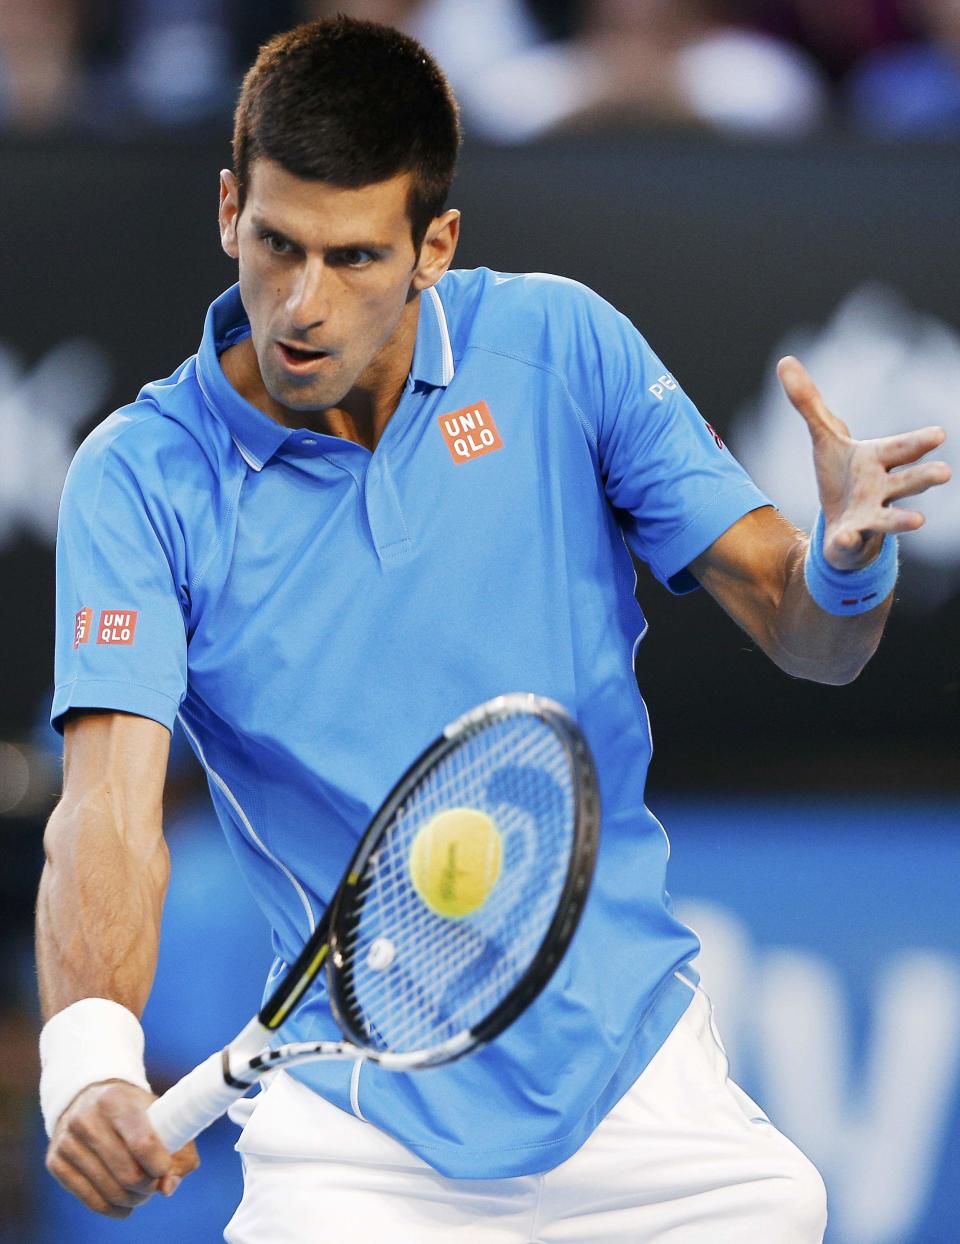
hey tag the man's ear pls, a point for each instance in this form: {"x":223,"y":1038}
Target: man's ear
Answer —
{"x":437,"y":249}
{"x":229,"y":213}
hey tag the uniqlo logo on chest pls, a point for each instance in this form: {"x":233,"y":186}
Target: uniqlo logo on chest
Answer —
{"x":117,"y":626}
{"x":81,"y":627}
{"x":470,"y":433}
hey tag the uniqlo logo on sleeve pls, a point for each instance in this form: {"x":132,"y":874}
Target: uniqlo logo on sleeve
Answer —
{"x":117,"y":626}
{"x":81,"y":627}
{"x":470,"y":433}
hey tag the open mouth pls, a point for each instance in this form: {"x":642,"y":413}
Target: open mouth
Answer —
{"x":300,"y":358}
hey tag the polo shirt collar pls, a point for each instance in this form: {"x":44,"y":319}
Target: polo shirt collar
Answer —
{"x":432,"y":355}
{"x":256,"y":435}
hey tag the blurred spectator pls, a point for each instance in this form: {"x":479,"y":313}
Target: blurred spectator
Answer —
{"x":913,"y":89}
{"x":521,"y":68}
{"x":673,"y":61}
{"x":557,"y":18}
{"x":39,"y":65}
{"x":838,"y":34}
{"x":120,"y":67}
{"x":178,"y":63}
{"x":164,"y":64}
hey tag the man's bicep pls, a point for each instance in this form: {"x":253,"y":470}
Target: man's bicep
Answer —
{"x":746,"y":569}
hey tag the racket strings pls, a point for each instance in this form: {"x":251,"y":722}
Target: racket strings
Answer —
{"x":421,"y":1013}
{"x":444,"y":975}
{"x":455,"y":943}
{"x":490,"y":754}
{"x":389,"y":871}
{"x":432,"y":800}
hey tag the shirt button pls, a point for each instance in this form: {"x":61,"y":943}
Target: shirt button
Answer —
{"x":309,"y":440}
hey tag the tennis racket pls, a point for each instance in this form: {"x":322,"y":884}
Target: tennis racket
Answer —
{"x":454,"y":912}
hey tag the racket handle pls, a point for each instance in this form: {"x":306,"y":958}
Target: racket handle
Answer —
{"x":193,"y":1103}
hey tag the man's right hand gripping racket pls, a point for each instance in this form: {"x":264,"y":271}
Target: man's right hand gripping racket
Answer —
{"x":455,"y":910}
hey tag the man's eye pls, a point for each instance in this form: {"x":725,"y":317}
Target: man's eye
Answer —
{"x":277,"y":244}
{"x":355,"y":257}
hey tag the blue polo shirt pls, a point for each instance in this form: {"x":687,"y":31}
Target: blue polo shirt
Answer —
{"x":316,"y":613}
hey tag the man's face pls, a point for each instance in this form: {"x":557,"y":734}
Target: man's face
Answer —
{"x":325,"y":276}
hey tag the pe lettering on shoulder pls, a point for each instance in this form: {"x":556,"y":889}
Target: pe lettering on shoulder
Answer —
{"x":662,"y":386}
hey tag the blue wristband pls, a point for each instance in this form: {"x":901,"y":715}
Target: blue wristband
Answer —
{"x":846,"y":593}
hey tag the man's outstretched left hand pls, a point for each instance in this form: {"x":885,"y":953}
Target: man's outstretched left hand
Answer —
{"x":858,"y":480}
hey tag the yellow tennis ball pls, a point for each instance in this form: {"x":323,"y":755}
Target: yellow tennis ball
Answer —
{"x":455,"y":861}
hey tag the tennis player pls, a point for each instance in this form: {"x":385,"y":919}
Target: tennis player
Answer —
{"x":381,"y":492}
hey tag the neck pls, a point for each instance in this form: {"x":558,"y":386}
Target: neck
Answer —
{"x":361,"y":417}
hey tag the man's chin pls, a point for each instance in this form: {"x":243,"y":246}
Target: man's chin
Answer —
{"x":306,"y":395}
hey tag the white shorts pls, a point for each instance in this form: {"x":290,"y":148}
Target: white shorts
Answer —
{"x":684,"y":1156}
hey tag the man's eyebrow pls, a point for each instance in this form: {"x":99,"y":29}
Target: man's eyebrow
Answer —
{"x":381,"y":248}
{"x":261,"y":225}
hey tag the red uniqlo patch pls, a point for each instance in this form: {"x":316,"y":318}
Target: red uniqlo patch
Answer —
{"x":81,"y":627}
{"x":117,"y":626}
{"x":470,"y":433}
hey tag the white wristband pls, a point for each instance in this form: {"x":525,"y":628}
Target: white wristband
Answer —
{"x":92,"y":1040}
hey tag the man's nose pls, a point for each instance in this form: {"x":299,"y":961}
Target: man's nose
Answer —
{"x":309,"y":301}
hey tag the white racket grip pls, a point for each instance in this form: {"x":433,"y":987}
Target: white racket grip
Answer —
{"x":193,"y":1103}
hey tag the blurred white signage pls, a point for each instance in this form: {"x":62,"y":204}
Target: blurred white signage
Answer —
{"x":787,"y":1021}
{"x":42,"y":409}
{"x":883,"y":367}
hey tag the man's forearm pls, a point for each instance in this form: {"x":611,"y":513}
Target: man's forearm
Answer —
{"x":755,"y":570}
{"x":99,"y":906}
{"x":98,"y":922}
{"x":808,"y":642}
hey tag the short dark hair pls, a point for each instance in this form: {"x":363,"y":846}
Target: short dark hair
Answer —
{"x":350,"y":103}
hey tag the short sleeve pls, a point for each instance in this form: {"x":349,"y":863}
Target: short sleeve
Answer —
{"x":122,"y":600}
{"x":673,"y":483}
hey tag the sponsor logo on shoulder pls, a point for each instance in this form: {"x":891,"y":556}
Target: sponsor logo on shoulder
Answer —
{"x":470,"y":432}
{"x":81,"y":626}
{"x":715,"y":434}
{"x":117,"y":626}
{"x":662,"y":386}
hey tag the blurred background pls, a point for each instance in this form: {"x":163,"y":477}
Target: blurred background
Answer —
{"x":743,"y":178}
